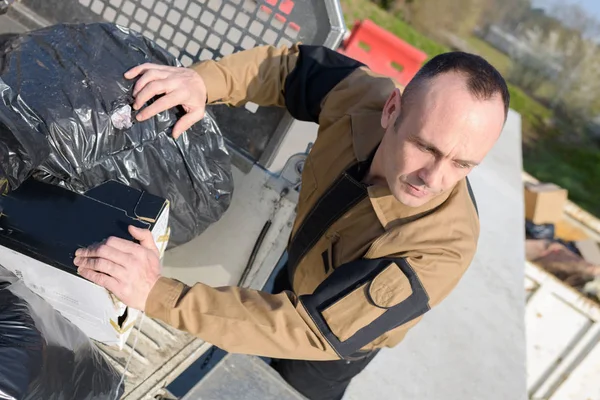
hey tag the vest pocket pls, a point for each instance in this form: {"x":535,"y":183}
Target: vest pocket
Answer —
{"x":364,"y":305}
{"x":351,"y":313}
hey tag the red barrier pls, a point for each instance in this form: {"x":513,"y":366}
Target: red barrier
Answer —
{"x":383,"y":52}
{"x":285,"y":7}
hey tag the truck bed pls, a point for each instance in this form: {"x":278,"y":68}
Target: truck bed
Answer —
{"x":217,"y":258}
{"x":161,"y":352}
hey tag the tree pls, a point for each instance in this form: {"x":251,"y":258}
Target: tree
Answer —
{"x":563,"y":52}
{"x":507,"y":14}
{"x":576,"y":19}
{"x":438,"y":16}
{"x":579,"y":81}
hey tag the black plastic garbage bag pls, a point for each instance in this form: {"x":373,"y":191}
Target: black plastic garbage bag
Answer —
{"x":43,"y":355}
{"x":65,"y":116}
{"x":541,"y":231}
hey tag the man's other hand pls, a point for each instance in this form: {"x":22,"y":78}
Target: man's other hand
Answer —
{"x":127,"y":269}
{"x":180,"y":86}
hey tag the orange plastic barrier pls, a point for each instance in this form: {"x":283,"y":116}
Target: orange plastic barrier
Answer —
{"x":383,"y":52}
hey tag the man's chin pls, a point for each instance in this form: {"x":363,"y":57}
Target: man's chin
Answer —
{"x":413,"y":201}
{"x":408,"y":200}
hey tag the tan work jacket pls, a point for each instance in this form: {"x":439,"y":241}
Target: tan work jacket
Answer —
{"x":436,"y":246}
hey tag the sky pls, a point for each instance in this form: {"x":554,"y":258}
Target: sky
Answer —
{"x":592,"y":6}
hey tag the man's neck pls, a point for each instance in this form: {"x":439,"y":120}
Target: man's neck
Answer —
{"x":376,"y":174}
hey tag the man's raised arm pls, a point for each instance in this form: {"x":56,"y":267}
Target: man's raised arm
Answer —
{"x":298,"y":78}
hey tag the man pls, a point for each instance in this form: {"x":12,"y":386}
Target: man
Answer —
{"x":386,"y":222}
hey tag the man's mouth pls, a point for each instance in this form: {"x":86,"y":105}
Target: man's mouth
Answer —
{"x":415,"y":191}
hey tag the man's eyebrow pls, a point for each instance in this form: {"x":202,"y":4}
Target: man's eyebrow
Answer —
{"x":438,"y":152}
{"x":473,"y":163}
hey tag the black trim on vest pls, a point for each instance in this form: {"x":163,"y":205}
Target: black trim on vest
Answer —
{"x":346,"y":192}
{"x":317,"y":71}
{"x":472,"y":196}
{"x":325,"y":257}
{"x":348,"y":278}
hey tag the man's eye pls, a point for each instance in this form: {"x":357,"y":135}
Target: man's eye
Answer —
{"x":425,"y":148}
{"x":463,"y":165}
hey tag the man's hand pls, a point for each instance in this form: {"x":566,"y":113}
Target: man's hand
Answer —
{"x":127,"y":269}
{"x":180,"y":86}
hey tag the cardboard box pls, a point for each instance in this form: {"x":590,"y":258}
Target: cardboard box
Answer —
{"x":544,"y":203}
{"x":42,"y":226}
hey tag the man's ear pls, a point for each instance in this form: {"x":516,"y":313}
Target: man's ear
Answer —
{"x":391,"y":110}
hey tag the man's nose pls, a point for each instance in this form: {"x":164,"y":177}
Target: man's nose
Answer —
{"x":433,"y":175}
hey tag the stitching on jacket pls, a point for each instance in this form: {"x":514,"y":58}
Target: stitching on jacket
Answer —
{"x":322,"y":334}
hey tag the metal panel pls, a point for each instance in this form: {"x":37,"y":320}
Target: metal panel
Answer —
{"x":552,"y":330}
{"x":569,"y":341}
{"x":583,"y":383}
{"x":195,"y":30}
{"x":253,"y":378}
{"x":531,"y":287}
{"x":7,"y":25}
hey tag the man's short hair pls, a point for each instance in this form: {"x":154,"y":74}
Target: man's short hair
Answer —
{"x":483,"y":80}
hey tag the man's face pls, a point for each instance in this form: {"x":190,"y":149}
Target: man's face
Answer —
{"x":442,"y":135}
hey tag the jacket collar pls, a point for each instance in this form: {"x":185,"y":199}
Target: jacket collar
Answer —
{"x":367,"y":133}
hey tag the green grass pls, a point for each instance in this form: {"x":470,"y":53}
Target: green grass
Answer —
{"x":495,"y":57}
{"x":534,"y":115}
{"x":546,"y":91}
{"x":575,"y":168}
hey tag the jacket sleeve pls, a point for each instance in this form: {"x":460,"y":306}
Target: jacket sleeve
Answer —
{"x":298,"y":78}
{"x":358,"y":303}
{"x":240,"y":320}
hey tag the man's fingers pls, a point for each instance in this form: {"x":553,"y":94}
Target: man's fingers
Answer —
{"x":101,"y":265}
{"x":184,"y":123}
{"x":140,"y":69}
{"x":152,"y":89}
{"x":100,"y":279}
{"x":144,"y":236}
{"x":117,"y":253}
{"x":147,"y":77}
{"x":126,"y":246}
{"x":164,"y":103}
